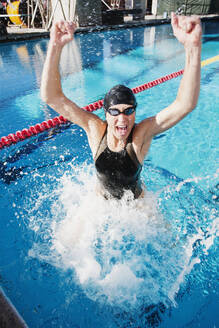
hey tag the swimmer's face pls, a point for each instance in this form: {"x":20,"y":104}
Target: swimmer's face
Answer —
{"x":121,"y":125}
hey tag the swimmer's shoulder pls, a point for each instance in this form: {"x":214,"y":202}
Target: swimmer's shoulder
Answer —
{"x":96,"y":133}
{"x":143,"y":130}
{"x":142,"y":138}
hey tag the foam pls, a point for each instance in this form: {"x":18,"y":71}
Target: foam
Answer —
{"x":121,"y":252}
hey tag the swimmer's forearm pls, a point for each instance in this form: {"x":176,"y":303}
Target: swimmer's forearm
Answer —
{"x":187,"y":95}
{"x":51,"y":81}
{"x":189,"y":89}
{"x":188,"y":32}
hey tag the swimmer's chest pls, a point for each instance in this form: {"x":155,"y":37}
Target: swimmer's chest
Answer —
{"x":116,"y":163}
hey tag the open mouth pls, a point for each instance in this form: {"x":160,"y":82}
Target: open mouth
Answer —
{"x":122,"y":129}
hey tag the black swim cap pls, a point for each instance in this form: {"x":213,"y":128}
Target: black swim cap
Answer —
{"x":119,"y":94}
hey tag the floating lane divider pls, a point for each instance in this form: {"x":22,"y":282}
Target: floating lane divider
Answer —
{"x":13,"y":138}
{"x":209,"y":60}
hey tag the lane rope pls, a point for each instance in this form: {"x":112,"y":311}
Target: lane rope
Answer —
{"x":209,"y":61}
{"x":13,"y":138}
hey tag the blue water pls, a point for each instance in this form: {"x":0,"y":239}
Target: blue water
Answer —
{"x":154,"y":266}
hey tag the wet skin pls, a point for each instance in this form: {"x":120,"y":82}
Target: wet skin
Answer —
{"x":119,"y":127}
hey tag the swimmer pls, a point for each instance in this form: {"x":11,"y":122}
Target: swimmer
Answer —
{"x":118,"y":144}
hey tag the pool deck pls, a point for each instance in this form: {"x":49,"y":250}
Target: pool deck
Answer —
{"x":16,"y":33}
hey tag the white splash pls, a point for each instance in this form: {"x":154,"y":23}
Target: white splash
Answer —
{"x":121,"y":252}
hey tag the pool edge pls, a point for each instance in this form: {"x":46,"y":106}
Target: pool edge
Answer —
{"x":22,"y":35}
{"x":9,"y":316}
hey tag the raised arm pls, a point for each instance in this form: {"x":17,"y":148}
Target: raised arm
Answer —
{"x":51,"y":91}
{"x":188,"y":31}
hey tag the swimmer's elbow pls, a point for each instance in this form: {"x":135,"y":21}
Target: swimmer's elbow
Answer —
{"x":44,"y":96}
{"x":187,"y":102}
{"x":49,"y":98}
{"x":191,"y":107}
{"x":186,"y":107}
{"x":46,"y":99}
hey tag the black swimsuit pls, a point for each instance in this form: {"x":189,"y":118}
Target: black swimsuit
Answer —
{"x":118,"y":171}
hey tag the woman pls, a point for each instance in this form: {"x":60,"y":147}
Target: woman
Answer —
{"x":118,"y":144}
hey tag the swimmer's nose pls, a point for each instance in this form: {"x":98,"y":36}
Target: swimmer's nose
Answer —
{"x":122,"y":117}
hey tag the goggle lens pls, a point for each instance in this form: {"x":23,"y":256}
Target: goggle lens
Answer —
{"x":115,"y":112}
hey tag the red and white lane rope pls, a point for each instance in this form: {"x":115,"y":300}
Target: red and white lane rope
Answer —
{"x":13,"y":138}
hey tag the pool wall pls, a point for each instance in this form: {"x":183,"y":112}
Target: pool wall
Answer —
{"x":17,"y":34}
{"x":9,"y":317}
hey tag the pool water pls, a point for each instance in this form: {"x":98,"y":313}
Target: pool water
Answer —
{"x":70,"y":259}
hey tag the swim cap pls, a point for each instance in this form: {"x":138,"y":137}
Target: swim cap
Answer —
{"x":119,"y":94}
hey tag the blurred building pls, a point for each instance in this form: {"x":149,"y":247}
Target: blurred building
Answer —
{"x":187,"y":7}
{"x":91,"y":12}
{"x":41,"y":13}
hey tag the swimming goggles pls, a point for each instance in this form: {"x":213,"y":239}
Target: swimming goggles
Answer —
{"x":115,"y":111}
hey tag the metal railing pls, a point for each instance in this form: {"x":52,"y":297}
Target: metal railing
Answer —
{"x":39,"y":11}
